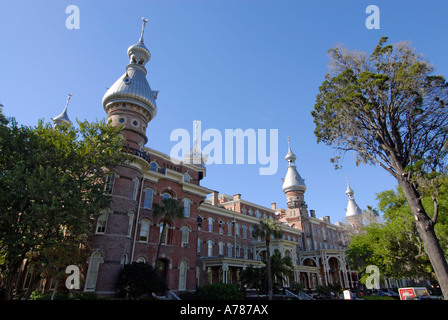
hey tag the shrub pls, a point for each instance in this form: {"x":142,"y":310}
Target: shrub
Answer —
{"x":139,"y":279}
{"x":220,"y":291}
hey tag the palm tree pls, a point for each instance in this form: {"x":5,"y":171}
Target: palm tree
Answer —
{"x":168,"y":210}
{"x":267,"y":229}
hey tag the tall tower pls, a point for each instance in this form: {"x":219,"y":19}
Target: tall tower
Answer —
{"x":130,"y":102}
{"x":63,"y":117}
{"x":353,"y":212}
{"x":293,"y":185}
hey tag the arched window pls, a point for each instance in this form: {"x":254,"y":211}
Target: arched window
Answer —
{"x":210,"y":224}
{"x":187,"y":203}
{"x":101,"y":223}
{"x":229,"y":250}
{"x":166,"y":196}
{"x":210,"y":248}
{"x":221,"y":249}
{"x":110,"y":181}
{"x":185,"y":236}
{"x":130,"y":222}
{"x":134,"y":189}
{"x":148,"y":198}
{"x":124,"y":260}
{"x":183,"y":267}
{"x":141,"y":260}
{"x":144,"y":231}
{"x":153,"y":166}
{"x":92,"y":272}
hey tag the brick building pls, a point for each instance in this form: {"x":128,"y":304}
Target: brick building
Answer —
{"x":212,"y":242}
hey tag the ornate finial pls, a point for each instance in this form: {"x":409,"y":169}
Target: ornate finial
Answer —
{"x":289,"y":145}
{"x":195,"y":133}
{"x":68,"y":100}
{"x":143,"y":28}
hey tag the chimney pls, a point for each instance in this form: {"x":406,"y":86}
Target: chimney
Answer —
{"x":237,"y":196}
{"x":273,"y":205}
{"x":215,"y":198}
{"x":313,"y":213}
{"x":327,"y":219}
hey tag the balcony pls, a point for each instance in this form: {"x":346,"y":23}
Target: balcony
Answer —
{"x":138,"y":153}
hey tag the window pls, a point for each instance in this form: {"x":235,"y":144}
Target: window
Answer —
{"x":134,"y":190}
{"x":92,"y":273}
{"x":251,"y":212}
{"x":237,"y":251}
{"x":141,"y":260}
{"x":101,"y":223}
{"x":187,"y":203}
{"x":221,"y":227}
{"x":257,"y":214}
{"x":199,"y":247}
{"x":210,"y":248}
{"x":244,"y":211}
{"x":244,"y":232}
{"x":153,"y":166}
{"x":237,"y":229}
{"x":144,"y":231}
{"x":221,"y":248}
{"x":246,"y":255}
{"x":183,"y":275}
{"x":229,"y":250}
{"x":148,"y":199}
{"x":185,"y":236}
{"x":229,"y":228}
{"x":130,"y":222}
{"x":210,"y":224}
{"x":166,"y":196}
{"x":110,"y":180}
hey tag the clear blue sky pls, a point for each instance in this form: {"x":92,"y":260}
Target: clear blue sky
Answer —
{"x":231,"y":64}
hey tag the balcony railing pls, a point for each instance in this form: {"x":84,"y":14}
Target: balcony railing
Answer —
{"x":138,"y":153}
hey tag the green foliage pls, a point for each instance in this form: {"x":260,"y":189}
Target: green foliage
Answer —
{"x":387,"y":107}
{"x":52,"y":189}
{"x":256,"y":278}
{"x":139,"y":279}
{"x":220,"y":291}
{"x":395,"y":246}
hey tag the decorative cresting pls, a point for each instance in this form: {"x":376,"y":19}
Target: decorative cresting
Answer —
{"x":132,"y":89}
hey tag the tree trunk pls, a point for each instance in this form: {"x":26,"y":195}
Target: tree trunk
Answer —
{"x":425,"y":229}
{"x":268,"y":257}
{"x":158,"y":247}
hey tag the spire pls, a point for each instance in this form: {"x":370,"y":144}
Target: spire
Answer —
{"x":290,"y":156}
{"x":195,"y":155}
{"x":352,"y":208}
{"x":293,"y":181}
{"x":63,"y":117}
{"x":132,"y":86}
{"x":143,"y":29}
{"x":349,"y":192}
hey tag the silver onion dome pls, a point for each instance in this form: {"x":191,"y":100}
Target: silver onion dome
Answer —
{"x":292,"y":181}
{"x":133,"y":86}
{"x":352,"y":207}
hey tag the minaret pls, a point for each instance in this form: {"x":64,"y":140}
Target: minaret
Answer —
{"x":63,"y":117}
{"x":195,"y":155}
{"x":353,"y":213}
{"x":130,"y":102}
{"x":293,"y":185}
